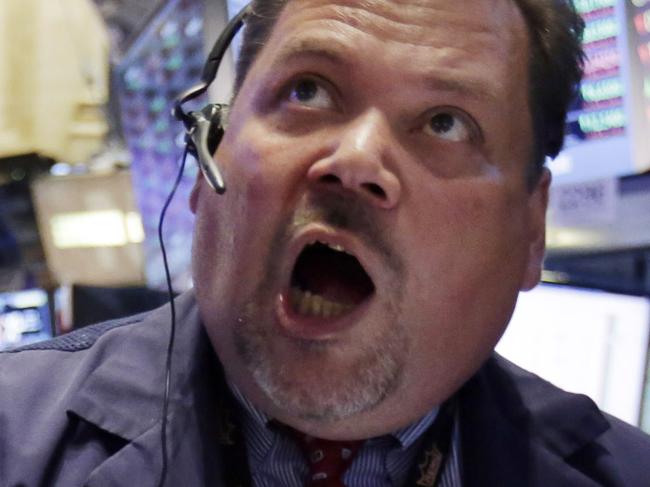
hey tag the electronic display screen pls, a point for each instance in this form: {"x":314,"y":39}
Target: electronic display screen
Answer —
{"x":584,"y":341}
{"x":598,"y":112}
{"x":24,"y":318}
{"x":607,"y":125}
{"x":164,"y":60}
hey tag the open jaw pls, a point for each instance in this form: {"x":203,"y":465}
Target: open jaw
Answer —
{"x":327,"y":282}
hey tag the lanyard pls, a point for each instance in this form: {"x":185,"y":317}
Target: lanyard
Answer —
{"x":425,"y":472}
{"x":436,"y":443}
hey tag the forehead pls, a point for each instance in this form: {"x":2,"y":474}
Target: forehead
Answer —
{"x":448,"y":32}
{"x":418,"y":16}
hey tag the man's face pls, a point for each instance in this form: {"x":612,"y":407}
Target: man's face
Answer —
{"x":377,"y":225}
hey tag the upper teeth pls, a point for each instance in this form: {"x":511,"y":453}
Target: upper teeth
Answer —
{"x":332,"y":246}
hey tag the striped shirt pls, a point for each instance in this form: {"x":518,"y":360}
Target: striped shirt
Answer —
{"x":276,"y":460}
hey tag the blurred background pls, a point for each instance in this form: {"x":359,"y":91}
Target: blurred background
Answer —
{"x":89,"y":152}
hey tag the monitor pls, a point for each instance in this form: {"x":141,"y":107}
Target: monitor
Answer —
{"x":24,"y":318}
{"x":606,"y":134}
{"x":585,"y":341}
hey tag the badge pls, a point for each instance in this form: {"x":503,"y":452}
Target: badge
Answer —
{"x":429,"y":468}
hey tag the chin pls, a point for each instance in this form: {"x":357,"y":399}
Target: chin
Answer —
{"x":323,"y":381}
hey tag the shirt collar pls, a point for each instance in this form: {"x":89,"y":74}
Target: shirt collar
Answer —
{"x":251,"y":412}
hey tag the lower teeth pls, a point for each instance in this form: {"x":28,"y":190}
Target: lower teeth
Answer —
{"x":308,"y":304}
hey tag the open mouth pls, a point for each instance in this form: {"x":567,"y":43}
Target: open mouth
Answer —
{"x":328,"y":282}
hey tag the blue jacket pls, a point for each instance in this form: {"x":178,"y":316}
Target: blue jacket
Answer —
{"x":84,"y":410}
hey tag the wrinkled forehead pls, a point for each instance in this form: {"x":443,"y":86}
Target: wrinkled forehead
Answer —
{"x":420,"y":16}
{"x":485,"y":41}
{"x":491,"y":28}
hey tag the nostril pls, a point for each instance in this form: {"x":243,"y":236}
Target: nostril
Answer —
{"x":330,"y":179}
{"x":375,"y":189}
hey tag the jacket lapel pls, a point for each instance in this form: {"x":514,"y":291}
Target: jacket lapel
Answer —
{"x":518,"y":430}
{"x":194,"y":457}
{"x":123,"y":395}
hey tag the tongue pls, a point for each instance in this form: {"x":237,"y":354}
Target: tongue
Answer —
{"x":334,"y":283}
{"x":333,"y":275}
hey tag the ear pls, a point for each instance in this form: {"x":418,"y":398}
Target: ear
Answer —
{"x":537,"y":205}
{"x":194,"y":195}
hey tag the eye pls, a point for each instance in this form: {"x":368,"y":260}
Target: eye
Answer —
{"x":309,"y":92}
{"x":450,"y":125}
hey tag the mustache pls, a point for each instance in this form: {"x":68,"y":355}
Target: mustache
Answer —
{"x":349,"y":213}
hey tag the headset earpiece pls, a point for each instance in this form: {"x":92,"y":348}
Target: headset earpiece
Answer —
{"x":203,"y":135}
{"x":204,"y":129}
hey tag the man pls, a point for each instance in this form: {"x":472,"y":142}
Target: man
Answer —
{"x":386,"y":203}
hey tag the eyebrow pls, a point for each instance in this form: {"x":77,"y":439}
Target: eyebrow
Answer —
{"x":472,"y":88}
{"x":315,"y":48}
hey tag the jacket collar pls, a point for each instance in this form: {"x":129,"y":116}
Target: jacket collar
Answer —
{"x":519,"y":430}
{"x":125,"y":370}
{"x":122,"y":393}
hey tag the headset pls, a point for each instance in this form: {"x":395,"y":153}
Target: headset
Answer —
{"x":204,"y":130}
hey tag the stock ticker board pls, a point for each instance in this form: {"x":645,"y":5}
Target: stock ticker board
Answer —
{"x":607,"y":130}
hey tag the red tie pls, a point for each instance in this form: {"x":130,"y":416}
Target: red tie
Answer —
{"x":328,"y":460}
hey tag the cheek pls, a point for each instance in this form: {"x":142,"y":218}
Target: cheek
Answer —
{"x":465,"y":237}
{"x":208,"y":243}
{"x":465,"y":278}
{"x":233,"y":230}
{"x":258,"y":160}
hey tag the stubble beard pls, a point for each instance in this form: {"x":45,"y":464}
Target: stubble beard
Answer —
{"x":310,"y":384}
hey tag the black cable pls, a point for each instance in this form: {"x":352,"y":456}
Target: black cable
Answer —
{"x":209,"y":74}
{"x":172,"y":331}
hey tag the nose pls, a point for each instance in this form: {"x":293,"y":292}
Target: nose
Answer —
{"x":360,"y":161}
